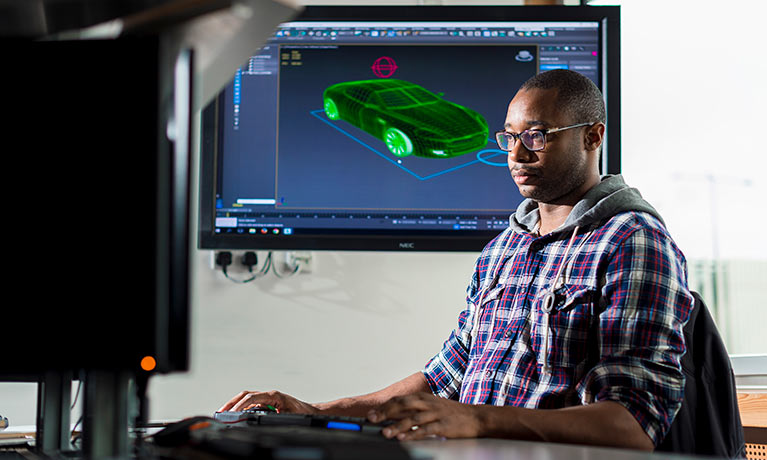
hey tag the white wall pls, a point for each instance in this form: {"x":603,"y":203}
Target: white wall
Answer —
{"x":693,"y":101}
{"x":361,"y":321}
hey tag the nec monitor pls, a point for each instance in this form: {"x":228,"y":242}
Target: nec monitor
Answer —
{"x":371,"y":128}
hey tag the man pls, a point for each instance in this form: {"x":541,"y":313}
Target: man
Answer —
{"x":526,"y":361}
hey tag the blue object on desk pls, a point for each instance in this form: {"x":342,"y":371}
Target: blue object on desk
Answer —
{"x":344,"y":426}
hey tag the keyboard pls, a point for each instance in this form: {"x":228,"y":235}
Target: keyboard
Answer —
{"x":330,"y":422}
{"x":268,"y":435}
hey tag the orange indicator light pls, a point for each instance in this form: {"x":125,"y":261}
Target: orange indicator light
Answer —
{"x":148,"y":363}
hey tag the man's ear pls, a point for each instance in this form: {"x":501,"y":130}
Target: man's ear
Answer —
{"x":595,"y":135}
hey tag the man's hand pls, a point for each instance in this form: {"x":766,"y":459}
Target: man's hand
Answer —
{"x":423,"y":414}
{"x":282,"y":402}
{"x":417,"y":416}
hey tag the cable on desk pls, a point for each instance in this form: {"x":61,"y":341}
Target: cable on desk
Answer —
{"x":73,"y":440}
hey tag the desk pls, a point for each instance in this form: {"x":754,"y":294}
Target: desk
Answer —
{"x":501,"y":449}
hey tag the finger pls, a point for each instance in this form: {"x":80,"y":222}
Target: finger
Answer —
{"x":241,"y":404}
{"x":409,"y":424}
{"x":229,"y":404}
{"x":253,"y":399}
{"x":421,"y":431}
{"x":397,"y":428}
{"x":400,"y":407}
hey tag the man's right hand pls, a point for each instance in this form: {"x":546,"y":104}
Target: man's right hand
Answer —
{"x":282,"y":402}
{"x":357,"y":406}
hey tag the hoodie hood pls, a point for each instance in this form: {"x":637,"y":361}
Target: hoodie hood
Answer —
{"x":610,"y":197}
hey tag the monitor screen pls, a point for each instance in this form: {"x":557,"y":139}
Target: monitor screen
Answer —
{"x":371,"y":128}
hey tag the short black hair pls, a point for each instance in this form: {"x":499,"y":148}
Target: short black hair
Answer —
{"x":577,"y":95}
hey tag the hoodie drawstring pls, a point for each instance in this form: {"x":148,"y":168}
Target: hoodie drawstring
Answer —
{"x":547,"y":306}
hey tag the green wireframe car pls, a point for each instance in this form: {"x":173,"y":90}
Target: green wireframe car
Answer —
{"x":408,"y":118}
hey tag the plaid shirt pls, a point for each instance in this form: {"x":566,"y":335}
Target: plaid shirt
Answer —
{"x":627,"y":270}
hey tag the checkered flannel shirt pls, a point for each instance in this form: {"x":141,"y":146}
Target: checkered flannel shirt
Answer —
{"x":627,"y":270}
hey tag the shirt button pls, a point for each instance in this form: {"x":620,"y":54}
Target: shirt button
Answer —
{"x":507,"y":334}
{"x":488,"y":373}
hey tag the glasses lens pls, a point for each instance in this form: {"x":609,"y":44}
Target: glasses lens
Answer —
{"x":505,"y":140}
{"x":533,"y":139}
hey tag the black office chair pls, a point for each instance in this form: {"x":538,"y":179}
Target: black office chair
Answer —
{"x":708,"y":423}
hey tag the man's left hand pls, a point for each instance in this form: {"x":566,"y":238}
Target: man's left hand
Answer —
{"x":423,"y":414}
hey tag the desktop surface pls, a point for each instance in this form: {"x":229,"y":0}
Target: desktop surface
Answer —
{"x":239,"y":442}
{"x":491,"y":449}
{"x":295,"y":436}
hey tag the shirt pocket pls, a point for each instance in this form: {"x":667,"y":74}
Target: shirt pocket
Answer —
{"x":568,"y":325}
{"x":488,"y":314}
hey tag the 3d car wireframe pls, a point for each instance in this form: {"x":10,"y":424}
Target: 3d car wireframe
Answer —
{"x":408,"y":118}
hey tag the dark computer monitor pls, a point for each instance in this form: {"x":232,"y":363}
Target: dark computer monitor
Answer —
{"x":98,"y":206}
{"x":97,"y":175}
{"x":370,"y":128}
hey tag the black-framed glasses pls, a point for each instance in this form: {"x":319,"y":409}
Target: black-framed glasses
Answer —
{"x":532,"y":139}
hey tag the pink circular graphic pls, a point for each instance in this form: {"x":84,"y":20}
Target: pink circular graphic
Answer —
{"x":384,"y":67}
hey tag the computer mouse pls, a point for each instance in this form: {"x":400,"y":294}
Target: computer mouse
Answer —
{"x":262,"y":408}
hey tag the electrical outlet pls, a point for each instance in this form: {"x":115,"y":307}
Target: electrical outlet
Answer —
{"x":234,"y":267}
{"x":305,"y":259}
{"x":285,"y":261}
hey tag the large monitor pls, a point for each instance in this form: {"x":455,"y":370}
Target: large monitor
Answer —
{"x":371,"y":128}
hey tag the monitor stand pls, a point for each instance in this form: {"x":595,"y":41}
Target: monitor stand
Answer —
{"x":113,"y":399}
{"x":106,"y":414}
{"x":54,"y":394}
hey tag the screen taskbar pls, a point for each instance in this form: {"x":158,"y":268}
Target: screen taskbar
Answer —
{"x":233,"y":222}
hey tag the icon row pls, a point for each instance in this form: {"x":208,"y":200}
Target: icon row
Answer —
{"x":257,"y":231}
{"x":401,"y":33}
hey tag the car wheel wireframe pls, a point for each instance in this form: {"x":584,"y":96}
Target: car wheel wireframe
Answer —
{"x":399,"y":143}
{"x":331,"y":109}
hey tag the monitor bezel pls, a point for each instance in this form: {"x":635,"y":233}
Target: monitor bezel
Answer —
{"x":609,"y":20}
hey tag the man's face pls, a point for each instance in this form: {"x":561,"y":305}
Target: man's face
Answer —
{"x":556,"y":174}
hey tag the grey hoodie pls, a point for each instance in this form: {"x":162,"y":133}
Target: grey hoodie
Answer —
{"x":608,"y":198}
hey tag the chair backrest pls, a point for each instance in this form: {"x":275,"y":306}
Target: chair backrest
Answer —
{"x":708,"y":423}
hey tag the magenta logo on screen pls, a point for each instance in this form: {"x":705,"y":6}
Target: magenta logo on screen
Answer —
{"x":384,"y":67}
